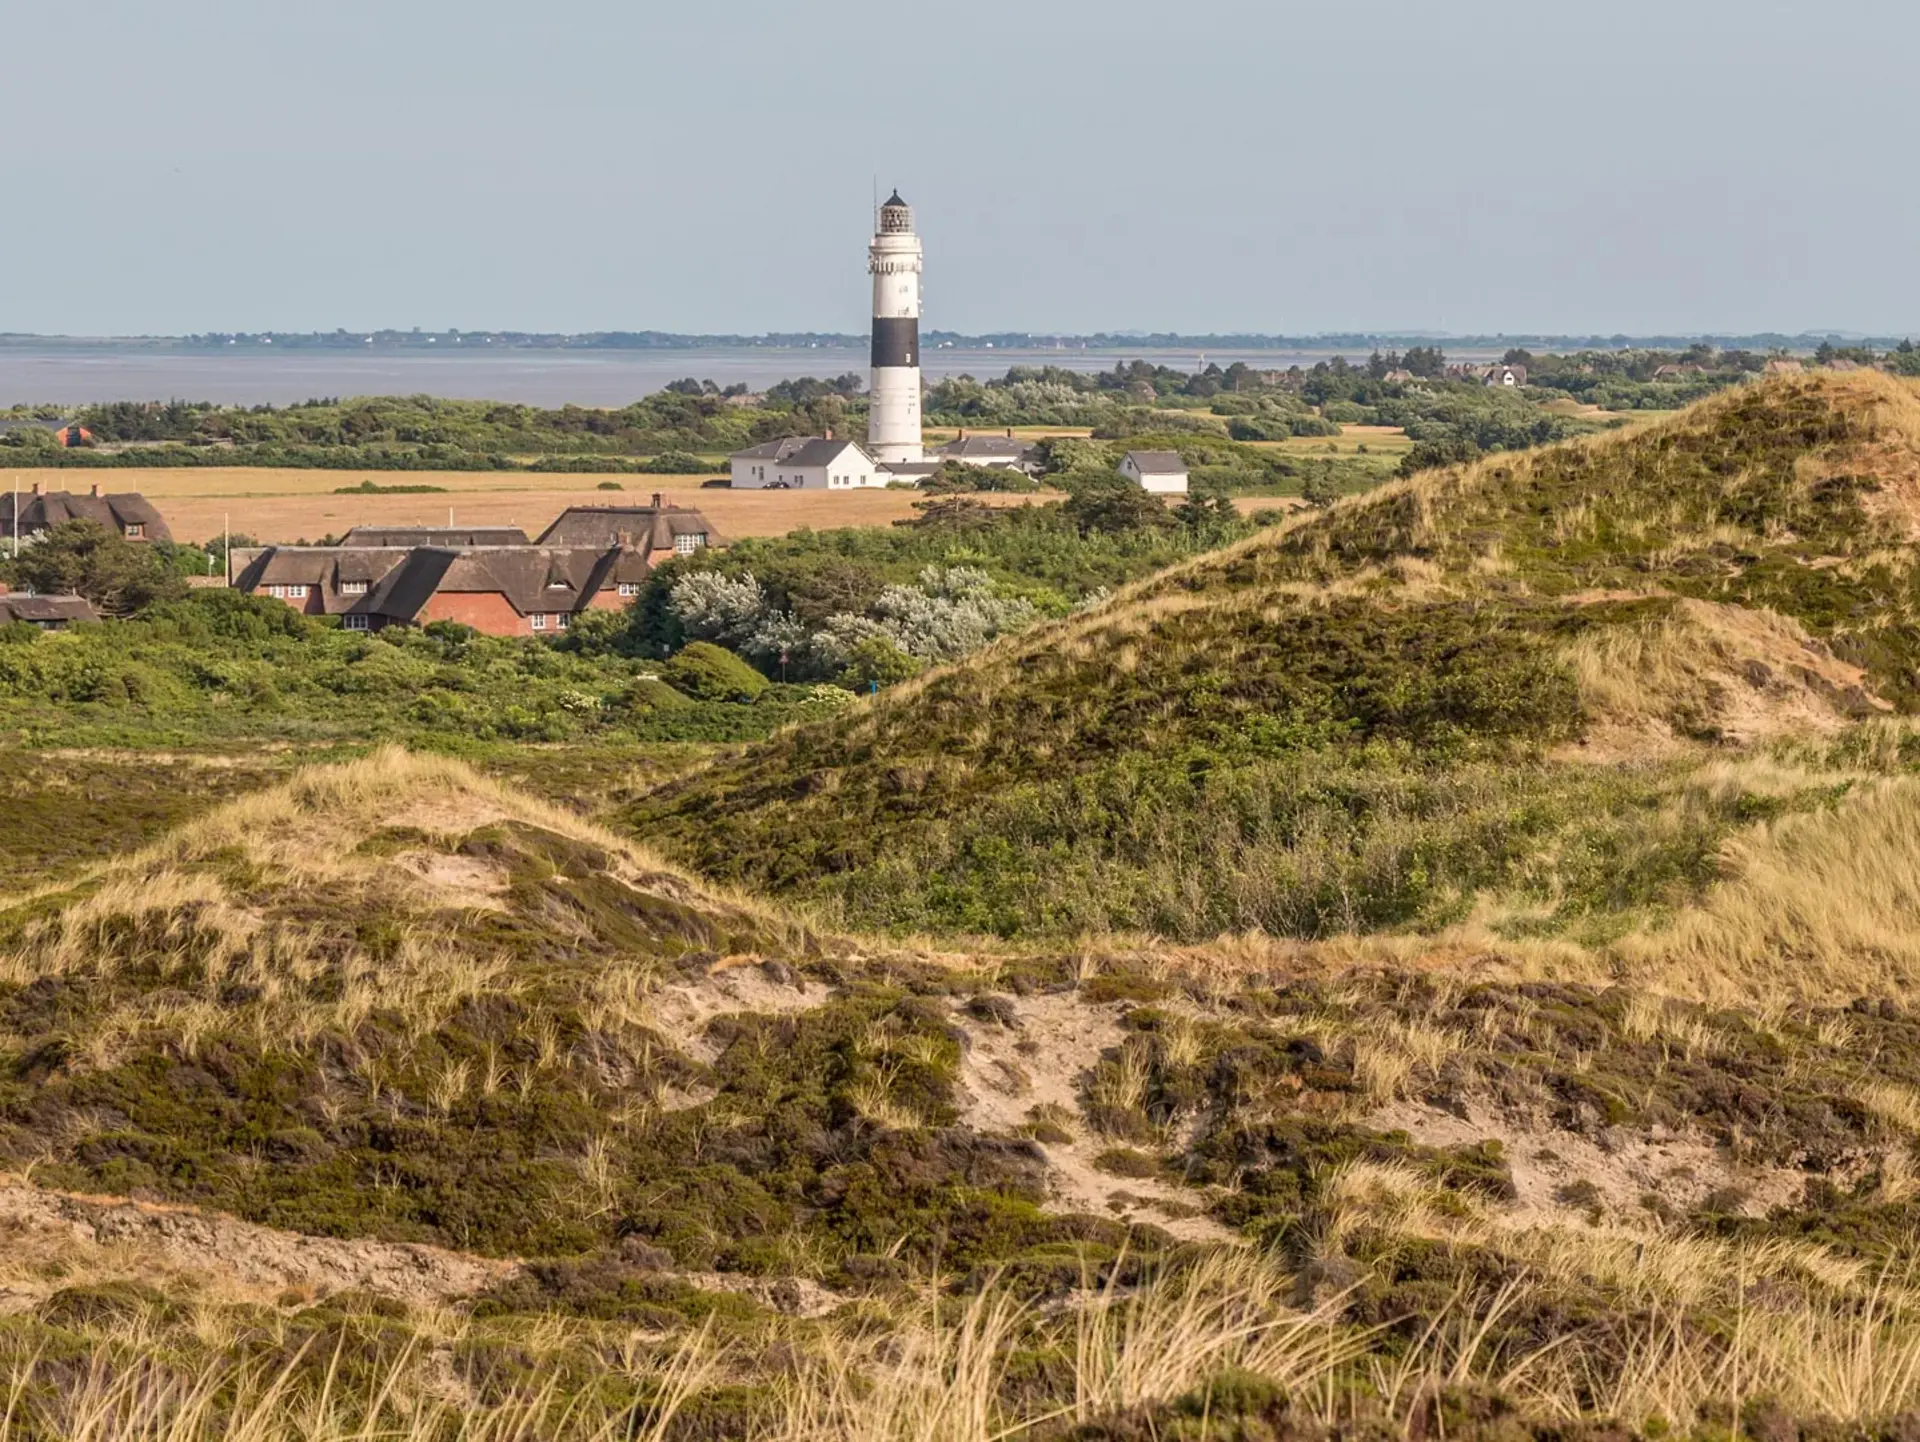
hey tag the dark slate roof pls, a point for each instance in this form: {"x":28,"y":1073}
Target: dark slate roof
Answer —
{"x":1157,"y":463}
{"x":648,"y":528}
{"x":819,"y":452}
{"x":46,"y":610}
{"x":532,"y":578}
{"x":986,"y":447}
{"x":772,"y":450}
{"x":44,"y":511}
{"x":435,"y":536}
{"x":894,"y":199}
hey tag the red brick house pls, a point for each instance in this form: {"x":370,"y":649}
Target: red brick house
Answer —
{"x":503,"y":590}
{"x":316,"y":580}
{"x":592,"y":558}
{"x":128,"y":513}
{"x":500,"y":590}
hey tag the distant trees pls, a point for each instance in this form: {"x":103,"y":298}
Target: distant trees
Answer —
{"x":118,"y":576}
{"x":1113,"y":505}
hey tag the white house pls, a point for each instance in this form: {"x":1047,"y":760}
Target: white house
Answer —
{"x":1162,"y":473}
{"x":806,"y":463}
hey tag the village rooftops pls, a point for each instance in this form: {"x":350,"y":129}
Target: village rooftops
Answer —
{"x":327,"y":580}
{"x":436,"y":536}
{"x":125,"y":513}
{"x":650,"y":529}
{"x":530,"y":579}
{"x":982,"y":448}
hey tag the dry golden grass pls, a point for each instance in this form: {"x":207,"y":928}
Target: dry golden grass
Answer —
{"x":1750,"y":675}
{"x":940,"y":1374}
{"x":168,"y":906}
{"x":1815,"y":906}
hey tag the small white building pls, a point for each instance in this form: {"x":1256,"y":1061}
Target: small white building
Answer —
{"x":806,"y":463}
{"x":1162,"y":473}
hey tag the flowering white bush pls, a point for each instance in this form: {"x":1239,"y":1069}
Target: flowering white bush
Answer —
{"x":946,"y":613}
{"x":726,"y":610}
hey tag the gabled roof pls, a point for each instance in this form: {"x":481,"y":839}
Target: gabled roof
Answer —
{"x":326,"y":568}
{"x":45,"y":510}
{"x":43,"y":610}
{"x":771,"y":450}
{"x":986,"y":446}
{"x":648,"y":528}
{"x":893,"y":199}
{"x":435,"y":536}
{"x":820,"y":452}
{"x":1157,"y":463}
{"x":531,"y":578}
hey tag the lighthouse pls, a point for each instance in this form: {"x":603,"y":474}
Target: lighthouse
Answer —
{"x":893,"y":418}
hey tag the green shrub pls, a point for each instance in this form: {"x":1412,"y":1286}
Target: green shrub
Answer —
{"x":649,"y":693}
{"x":708,"y":672}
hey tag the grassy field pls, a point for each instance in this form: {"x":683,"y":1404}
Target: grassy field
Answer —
{"x":1380,"y":440}
{"x":276,"y":505}
{"x":1463,"y":985}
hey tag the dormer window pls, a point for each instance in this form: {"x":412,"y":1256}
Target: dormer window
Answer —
{"x":687,"y":542}
{"x":136,"y":529}
{"x":353,"y":588}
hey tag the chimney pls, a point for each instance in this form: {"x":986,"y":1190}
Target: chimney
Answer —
{"x":625,"y":539}
{"x":657,"y":501}
{"x":95,"y":491}
{"x":36,"y":488}
{"x":963,"y":434}
{"x":1009,"y":432}
{"x":829,"y":432}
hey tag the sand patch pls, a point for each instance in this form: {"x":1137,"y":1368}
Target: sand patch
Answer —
{"x":1560,"y":1176}
{"x":466,"y":882}
{"x":1041,"y":1060}
{"x":736,"y":985}
{"x":50,"y":1240}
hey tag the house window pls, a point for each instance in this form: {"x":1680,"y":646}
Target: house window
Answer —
{"x":296,"y":593}
{"x":355,"y":623}
{"x":560,"y":621}
{"x":539,"y":619}
{"x":684,"y":544}
{"x":136,"y":529}
{"x":632,"y":588}
{"x":353,"y":588}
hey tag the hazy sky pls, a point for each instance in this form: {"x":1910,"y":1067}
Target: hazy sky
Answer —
{"x":1076,"y":165}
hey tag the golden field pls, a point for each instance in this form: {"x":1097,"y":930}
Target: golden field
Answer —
{"x":280,"y":505}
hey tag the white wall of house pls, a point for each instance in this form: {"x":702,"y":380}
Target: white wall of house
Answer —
{"x":1159,"y":483}
{"x":751,"y":474}
{"x":851,"y":470}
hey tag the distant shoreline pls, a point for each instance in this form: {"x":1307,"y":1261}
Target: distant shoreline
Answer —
{"x":1114,"y":342}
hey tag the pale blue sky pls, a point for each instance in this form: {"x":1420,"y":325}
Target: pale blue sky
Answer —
{"x":1626,"y":166}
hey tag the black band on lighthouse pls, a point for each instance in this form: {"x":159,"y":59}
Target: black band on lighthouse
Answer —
{"x":896,"y":340}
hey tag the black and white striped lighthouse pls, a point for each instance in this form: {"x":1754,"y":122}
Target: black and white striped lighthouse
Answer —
{"x":893,"y":417}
